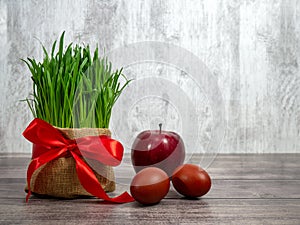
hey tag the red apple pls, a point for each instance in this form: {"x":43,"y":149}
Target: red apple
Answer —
{"x":161,"y":149}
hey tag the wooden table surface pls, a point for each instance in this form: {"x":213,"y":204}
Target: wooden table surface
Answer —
{"x":246,"y":189}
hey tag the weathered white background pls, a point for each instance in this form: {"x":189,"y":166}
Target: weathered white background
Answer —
{"x":252,"y":47}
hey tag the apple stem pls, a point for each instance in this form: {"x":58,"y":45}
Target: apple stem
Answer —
{"x":160,"y":125}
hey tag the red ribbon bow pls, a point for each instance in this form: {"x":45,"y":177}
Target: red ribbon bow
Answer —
{"x":50,"y":144}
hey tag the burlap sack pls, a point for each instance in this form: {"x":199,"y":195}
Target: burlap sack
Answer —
{"x":58,"y":178}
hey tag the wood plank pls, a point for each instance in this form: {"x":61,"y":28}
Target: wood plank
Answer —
{"x":169,"y":211}
{"x":13,"y":167}
{"x":251,"y":47}
{"x":267,"y":196}
{"x":251,"y":166}
{"x":225,"y":189}
{"x":263,"y":166}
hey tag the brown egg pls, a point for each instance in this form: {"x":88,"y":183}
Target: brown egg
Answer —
{"x":191,"y":180}
{"x":150,"y":185}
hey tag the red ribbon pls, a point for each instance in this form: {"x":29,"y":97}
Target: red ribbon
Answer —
{"x":50,"y":144}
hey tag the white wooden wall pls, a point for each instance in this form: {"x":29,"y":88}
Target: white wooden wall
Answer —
{"x":251,"y":48}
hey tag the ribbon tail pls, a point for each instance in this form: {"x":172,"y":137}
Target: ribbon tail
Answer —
{"x":37,"y":163}
{"x":91,"y":184}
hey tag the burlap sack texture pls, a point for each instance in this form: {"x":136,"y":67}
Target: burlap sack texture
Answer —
{"x":58,"y":178}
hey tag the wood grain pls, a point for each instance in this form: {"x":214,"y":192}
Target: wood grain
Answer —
{"x":251,"y":47}
{"x":243,"y":196}
{"x":208,"y":211}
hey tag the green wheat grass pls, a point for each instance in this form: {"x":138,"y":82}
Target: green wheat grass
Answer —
{"x":73,"y":89}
